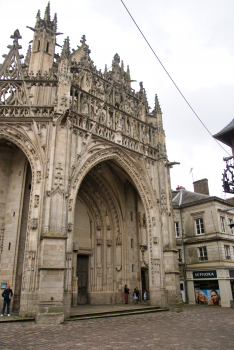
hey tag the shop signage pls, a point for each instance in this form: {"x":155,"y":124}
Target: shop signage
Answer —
{"x":205,"y":274}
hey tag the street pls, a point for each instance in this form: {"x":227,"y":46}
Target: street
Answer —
{"x":197,"y":327}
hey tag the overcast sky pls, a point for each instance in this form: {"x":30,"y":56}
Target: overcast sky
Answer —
{"x":193,"y":39}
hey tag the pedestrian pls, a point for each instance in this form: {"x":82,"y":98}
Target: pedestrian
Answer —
{"x":7,"y":295}
{"x":145,"y":296}
{"x":136,"y":295}
{"x":126,"y":291}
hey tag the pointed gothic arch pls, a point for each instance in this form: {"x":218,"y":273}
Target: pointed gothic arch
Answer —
{"x":18,"y":138}
{"x":132,"y":167}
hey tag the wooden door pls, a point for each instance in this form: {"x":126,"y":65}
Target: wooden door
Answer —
{"x":82,"y":273}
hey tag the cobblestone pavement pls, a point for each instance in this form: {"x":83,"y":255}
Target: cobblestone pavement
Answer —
{"x":197,"y":327}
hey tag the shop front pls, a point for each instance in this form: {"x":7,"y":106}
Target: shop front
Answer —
{"x":210,"y":287}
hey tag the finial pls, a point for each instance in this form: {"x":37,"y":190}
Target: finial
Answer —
{"x":16,"y":35}
{"x":83,"y":39}
{"x":47,"y":12}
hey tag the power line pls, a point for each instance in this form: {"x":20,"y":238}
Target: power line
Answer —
{"x":172,"y":79}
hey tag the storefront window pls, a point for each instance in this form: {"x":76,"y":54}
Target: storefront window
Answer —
{"x":207,"y":292}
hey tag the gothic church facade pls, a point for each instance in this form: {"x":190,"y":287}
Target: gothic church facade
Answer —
{"x":85,"y":198}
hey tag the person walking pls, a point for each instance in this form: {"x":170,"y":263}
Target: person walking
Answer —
{"x":126,"y":291}
{"x":136,"y":295}
{"x":7,"y":295}
{"x":145,"y":296}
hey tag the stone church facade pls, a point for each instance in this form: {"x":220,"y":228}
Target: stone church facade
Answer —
{"x":85,"y":198}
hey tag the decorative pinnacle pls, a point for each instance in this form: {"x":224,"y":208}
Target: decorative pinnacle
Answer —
{"x":66,"y":47}
{"x":157,"y":107}
{"x":28,"y":55}
{"x":122,"y":66}
{"x":55,"y":20}
{"x":47,"y":12}
{"x":38,"y":14}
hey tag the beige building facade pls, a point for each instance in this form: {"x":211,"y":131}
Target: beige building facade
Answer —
{"x":205,"y":244}
{"x":85,"y":198}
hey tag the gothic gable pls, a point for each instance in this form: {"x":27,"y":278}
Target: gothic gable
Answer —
{"x":12,"y":88}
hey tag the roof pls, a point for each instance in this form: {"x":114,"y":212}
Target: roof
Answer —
{"x":226,"y":133}
{"x":185,"y":197}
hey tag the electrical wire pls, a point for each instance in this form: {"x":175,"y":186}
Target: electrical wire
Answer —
{"x":172,"y":79}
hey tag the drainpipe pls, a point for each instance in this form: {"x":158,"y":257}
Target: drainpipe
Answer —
{"x":185,"y":264}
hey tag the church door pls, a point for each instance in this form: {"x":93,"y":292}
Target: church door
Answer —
{"x":82,"y":273}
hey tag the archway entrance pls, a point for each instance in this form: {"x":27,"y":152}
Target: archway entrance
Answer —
{"x":108,"y":236}
{"x":15,"y":187}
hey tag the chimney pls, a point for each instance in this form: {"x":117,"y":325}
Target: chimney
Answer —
{"x":201,"y":186}
{"x":179,"y":188}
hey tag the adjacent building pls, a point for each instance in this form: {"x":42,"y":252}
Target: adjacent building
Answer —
{"x":205,"y":244}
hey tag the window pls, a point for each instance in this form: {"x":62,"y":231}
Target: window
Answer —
{"x":179,"y":255}
{"x":199,"y":226}
{"x":222,"y":220}
{"x":131,"y":243}
{"x":38,"y":45}
{"x":177,"y":233}
{"x":47,"y":46}
{"x":202,"y":253}
{"x":227,"y":252}
{"x":230,"y":221}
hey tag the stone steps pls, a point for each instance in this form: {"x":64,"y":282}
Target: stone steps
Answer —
{"x":116,"y":313}
{"x":6,"y":319}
